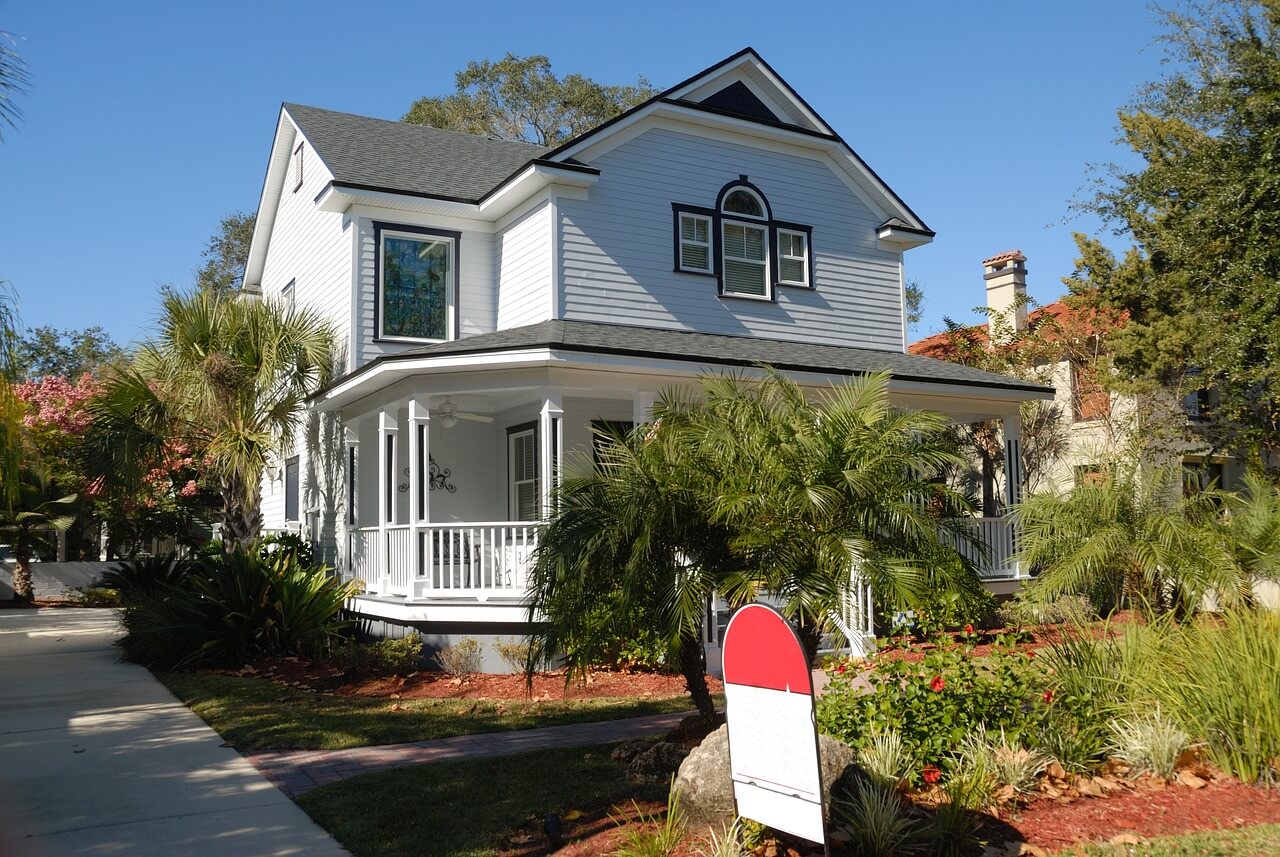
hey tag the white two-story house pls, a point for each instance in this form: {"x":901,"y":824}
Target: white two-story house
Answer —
{"x":495,"y":300}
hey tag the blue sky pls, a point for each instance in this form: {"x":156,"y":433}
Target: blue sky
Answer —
{"x":147,"y":122}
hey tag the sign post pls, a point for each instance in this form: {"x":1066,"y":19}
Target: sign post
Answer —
{"x":773,"y":734}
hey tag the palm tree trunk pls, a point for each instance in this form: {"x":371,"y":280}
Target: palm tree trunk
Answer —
{"x":23,"y":589}
{"x":241,"y":515}
{"x":693,"y":666}
{"x":810,"y":638}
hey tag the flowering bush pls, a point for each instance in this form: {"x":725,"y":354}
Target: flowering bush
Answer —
{"x":934,"y":703}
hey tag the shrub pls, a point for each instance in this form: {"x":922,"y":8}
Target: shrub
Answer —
{"x":462,"y":658}
{"x":933,"y":704}
{"x":514,"y":655}
{"x":139,"y":578}
{"x":878,"y":823}
{"x":232,"y":609}
{"x":1009,"y":763}
{"x":950,"y":829}
{"x":950,"y":611}
{"x":94,"y":596}
{"x":884,"y":758}
{"x":1063,"y":610}
{"x":292,"y":543}
{"x":647,"y":836}
{"x":396,"y":657}
{"x":1148,"y":744}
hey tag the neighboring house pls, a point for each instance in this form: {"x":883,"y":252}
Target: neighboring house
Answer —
{"x":495,"y":300}
{"x":1098,"y":424}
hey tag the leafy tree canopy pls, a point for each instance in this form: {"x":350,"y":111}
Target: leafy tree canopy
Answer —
{"x":1204,"y":209}
{"x":226,"y":255}
{"x":521,"y":98}
{"x":46,"y":351}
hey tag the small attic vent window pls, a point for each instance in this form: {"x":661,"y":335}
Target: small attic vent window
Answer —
{"x":297,"y":167}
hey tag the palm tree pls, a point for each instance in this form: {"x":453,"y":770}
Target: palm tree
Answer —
{"x":10,"y":410}
{"x":225,"y":376}
{"x":814,"y":487}
{"x":630,"y":550}
{"x":30,"y":526}
{"x":1130,"y":539}
{"x":1250,"y":528}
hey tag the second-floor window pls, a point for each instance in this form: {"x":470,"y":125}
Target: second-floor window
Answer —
{"x":417,"y":282}
{"x":793,"y":258}
{"x":287,"y":294}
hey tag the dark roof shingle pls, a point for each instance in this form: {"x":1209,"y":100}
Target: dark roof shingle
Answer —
{"x":661,"y":343}
{"x":413,"y":159}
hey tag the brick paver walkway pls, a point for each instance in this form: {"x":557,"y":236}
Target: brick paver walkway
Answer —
{"x":296,"y":772}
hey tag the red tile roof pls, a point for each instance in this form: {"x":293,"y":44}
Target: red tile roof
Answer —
{"x":1085,"y":322}
{"x":1006,"y":256}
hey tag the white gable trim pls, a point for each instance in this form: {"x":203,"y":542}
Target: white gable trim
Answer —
{"x":782,"y":101}
{"x":282,"y":147}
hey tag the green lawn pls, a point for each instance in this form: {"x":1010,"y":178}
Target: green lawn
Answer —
{"x":465,"y":808}
{"x":255,"y":714}
{"x":1260,"y":841}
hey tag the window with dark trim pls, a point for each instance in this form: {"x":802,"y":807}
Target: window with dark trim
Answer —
{"x":741,"y":244}
{"x":297,"y":167}
{"x":292,"y":489}
{"x":522,"y":470}
{"x":287,"y":294}
{"x":416,"y":271}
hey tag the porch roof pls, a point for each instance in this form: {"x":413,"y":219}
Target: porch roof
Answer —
{"x":709,"y":348}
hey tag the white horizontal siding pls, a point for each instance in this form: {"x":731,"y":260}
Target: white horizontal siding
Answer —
{"x":617,"y":257}
{"x":476,"y":296}
{"x":524,"y":269}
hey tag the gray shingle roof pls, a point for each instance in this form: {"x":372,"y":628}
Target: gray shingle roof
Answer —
{"x":593,"y":337}
{"x":414,"y":159}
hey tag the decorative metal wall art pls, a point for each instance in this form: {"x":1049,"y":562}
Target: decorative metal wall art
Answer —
{"x":437,"y":478}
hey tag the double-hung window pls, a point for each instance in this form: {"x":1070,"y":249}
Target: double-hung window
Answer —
{"x":746,"y":259}
{"x":695,"y":243}
{"x":292,"y":490}
{"x":522,"y":462}
{"x":793,"y":258}
{"x":417,"y":283}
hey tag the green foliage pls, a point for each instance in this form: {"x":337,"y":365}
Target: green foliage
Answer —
{"x":230,"y":610}
{"x":878,"y":822}
{"x":226,"y":255}
{"x":727,"y":843}
{"x":1006,"y":762}
{"x":520,"y":98}
{"x":291,"y":543}
{"x":137,"y":579}
{"x":939,"y":612}
{"x":1020,"y":610}
{"x":98,"y":596}
{"x":392,"y":656}
{"x":462,"y":658}
{"x":1132,"y":537}
{"x":884,"y":758}
{"x":1203,"y":207}
{"x":30,"y":524}
{"x":648,"y":835}
{"x":1251,"y":531}
{"x":514,"y":654}
{"x":935,"y":703}
{"x":45,"y":351}
{"x":1148,"y":743}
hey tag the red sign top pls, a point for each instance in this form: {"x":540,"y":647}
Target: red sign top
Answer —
{"x":762,"y":650}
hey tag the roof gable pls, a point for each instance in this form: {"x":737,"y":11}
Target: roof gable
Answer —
{"x":737,"y":98}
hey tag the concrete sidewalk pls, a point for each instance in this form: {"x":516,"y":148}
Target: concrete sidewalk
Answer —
{"x":98,"y":758}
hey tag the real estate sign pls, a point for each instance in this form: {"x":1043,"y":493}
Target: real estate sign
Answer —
{"x":773,"y":736}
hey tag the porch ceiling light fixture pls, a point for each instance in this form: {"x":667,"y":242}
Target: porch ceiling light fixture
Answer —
{"x":448,"y":414}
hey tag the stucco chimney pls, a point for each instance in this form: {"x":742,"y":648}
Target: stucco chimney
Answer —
{"x":1006,"y":278}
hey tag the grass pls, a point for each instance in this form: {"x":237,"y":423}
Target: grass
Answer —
{"x":256,"y":714}
{"x":1260,"y":841}
{"x":465,"y":808}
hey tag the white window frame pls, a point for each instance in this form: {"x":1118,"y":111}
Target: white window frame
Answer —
{"x":763,"y":226}
{"x":513,"y":499}
{"x":707,"y":245}
{"x":450,"y":286}
{"x":764,"y":209}
{"x":289,"y":294}
{"x":803,"y":260}
{"x":296,"y":462}
{"x":297,"y":167}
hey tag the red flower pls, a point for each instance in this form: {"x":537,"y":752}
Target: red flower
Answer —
{"x":968,"y":629}
{"x":840,"y":668}
{"x":937,"y":684}
{"x":1048,"y":696}
{"x":1031,"y":655}
{"x":931,"y":774}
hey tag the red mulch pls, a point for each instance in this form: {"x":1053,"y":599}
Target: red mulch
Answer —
{"x":1035,"y":637}
{"x":1172,"y":810}
{"x":295,"y":672}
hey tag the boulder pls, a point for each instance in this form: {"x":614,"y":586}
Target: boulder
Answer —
{"x":706,"y":788}
{"x":657,"y":764}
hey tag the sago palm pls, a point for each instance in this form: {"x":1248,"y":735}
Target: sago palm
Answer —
{"x":224,"y":376}
{"x":815,"y":486}
{"x":629,"y":551}
{"x":1131,"y":539}
{"x":31,"y":526}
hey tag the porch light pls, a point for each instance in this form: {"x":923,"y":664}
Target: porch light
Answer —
{"x":448,"y":420}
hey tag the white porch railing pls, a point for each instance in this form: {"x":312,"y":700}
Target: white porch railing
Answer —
{"x":999,"y":537}
{"x":468,"y":560}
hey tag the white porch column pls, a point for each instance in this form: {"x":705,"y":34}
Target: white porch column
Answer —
{"x":350,"y":464}
{"x":419,"y":484}
{"x":388,"y":428}
{"x":642,"y":408}
{"x":550,"y":442}
{"x":1013,"y":475}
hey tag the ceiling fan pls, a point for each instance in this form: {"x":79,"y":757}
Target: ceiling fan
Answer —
{"x":448,"y":414}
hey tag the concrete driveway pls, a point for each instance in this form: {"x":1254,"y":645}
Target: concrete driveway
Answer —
{"x":98,"y":758}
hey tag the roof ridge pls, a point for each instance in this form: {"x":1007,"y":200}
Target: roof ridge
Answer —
{"x":399,"y":123}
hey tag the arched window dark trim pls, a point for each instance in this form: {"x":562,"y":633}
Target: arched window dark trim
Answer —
{"x":742,"y":182}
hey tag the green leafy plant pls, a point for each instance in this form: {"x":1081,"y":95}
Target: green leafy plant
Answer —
{"x":275,"y":543}
{"x":878,"y":822}
{"x":462,"y":658}
{"x":1074,"y":610}
{"x":1148,"y":744}
{"x":885,"y":759}
{"x":726,"y":843}
{"x":951,"y":829}
{"x":514,"y":654}
{"x":647,"y":835}
{"x":394,"y":656}
{"x":98,"y":596}
{"x":1009,"y":763}
{"x":138,"y":578}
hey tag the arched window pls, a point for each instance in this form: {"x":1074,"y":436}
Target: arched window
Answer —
{"x":743,"y":201}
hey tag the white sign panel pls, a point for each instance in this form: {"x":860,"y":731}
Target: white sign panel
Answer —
{"x":773,"y":737}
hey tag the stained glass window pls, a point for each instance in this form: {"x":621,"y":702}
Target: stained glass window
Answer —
{"x":416,"y":278}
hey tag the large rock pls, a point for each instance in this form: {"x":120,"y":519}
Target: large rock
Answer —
{"x":706,"y":788}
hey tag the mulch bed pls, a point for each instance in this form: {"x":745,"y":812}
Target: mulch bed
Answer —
{"x":295,"y":672}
